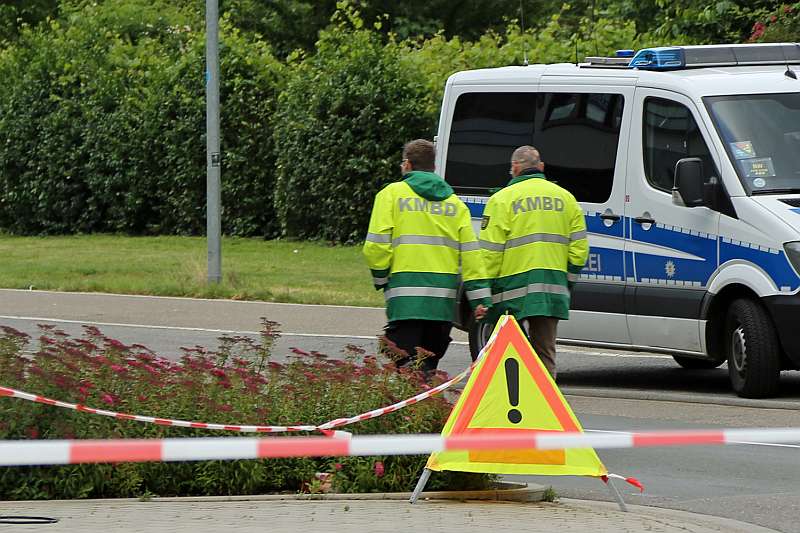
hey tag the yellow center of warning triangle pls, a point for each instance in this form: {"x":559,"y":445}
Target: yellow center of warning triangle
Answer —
{"x":494,"y":408}
{"x":511,"y":392}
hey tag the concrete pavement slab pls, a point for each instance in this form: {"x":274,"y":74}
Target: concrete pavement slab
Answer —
{"x":250,"y":514}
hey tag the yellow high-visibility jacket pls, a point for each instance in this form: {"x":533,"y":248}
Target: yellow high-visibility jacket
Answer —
{"x":419,"y":234}
{"x":533,"y":239}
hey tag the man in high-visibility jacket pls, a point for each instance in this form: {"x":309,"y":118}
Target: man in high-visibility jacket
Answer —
{"x":533,"y":238}
{"x":419,"y":234}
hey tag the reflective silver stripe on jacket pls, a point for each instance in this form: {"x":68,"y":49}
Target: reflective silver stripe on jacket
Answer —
{"x":548,"y":288}
{"x":492,"y":246}
{"x":470,"y":246}
{"x":536,"y":237}
{"x":425,"y":239}
{"x":578,"y":235}
{"x":380,"y":281}
{"x":572,"y":277}
{"x":380,"y":238}
{"x":436,"y":292}
{"x":479,"y":293}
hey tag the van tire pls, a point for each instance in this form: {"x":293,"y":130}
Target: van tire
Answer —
{"x":752,"y":349}
{"x":479,"y":332}
{"x":693,"y":363}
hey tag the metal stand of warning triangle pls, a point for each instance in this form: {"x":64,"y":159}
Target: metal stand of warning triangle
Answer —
{"x":426,"y":475}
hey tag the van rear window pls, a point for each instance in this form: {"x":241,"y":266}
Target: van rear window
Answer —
{"x":577,"y":135}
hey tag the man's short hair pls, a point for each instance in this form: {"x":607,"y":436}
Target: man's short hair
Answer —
{"x":527,"y":156}
{"x":421,"y":154}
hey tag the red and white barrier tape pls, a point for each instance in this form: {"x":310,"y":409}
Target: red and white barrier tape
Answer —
{"x":22,"y":395}
{"x":325,"y":428}
{"x":59,"y":452}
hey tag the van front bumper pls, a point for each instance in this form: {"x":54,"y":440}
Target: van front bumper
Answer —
{"x":785,"y":312}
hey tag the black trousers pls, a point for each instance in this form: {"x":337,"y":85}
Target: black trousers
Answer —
{"x":432,"y":336}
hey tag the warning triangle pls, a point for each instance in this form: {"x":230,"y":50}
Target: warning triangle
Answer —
{"x":511,"y":392}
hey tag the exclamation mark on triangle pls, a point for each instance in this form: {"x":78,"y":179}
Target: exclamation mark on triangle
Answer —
{"x":512,"y":384}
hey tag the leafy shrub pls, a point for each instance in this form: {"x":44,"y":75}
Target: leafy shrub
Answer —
{"x":237,"y":383}
{"x":103,"y":117}
{"x":435,"y":59}
{"x":339,"y":128}
{"x":780,"y":26}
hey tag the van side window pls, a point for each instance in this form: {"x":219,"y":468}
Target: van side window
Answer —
{"x":578,"y":138}
{"x":576,"y":133}
{"x":670,"y":134}
{"x":486,"y":128}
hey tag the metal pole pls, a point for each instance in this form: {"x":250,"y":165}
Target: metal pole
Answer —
{"x":423,"y":480}
{"x":213,"y":158}
{"x":616,"y":494}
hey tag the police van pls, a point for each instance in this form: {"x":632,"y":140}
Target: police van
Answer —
{"x":686,"y":162}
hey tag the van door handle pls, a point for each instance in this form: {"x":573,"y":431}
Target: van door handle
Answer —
{"x":644,"y":220}
{"x":610,"y":216}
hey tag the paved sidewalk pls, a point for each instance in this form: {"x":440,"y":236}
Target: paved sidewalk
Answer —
{"x":210,"y":515}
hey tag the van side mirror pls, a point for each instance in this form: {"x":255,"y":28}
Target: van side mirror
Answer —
{"x":688,"y":190}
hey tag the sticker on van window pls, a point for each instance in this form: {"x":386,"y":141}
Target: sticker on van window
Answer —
{"x":761,"y":167}
{"x":759,"y":182}
{"x":743,"y":150}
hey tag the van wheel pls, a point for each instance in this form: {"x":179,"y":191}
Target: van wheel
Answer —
{"x":693,"y":363}
{"x":479,"y":333}
{"x":752,"y":348}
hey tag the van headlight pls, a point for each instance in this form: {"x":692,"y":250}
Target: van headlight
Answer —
{"x":793,"y":253}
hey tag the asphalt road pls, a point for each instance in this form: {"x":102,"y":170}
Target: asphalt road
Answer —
{"x":608,"y":390}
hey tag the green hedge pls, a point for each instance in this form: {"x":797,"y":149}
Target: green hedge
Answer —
{"x":339,"y":129}
{"x":104,"y":121}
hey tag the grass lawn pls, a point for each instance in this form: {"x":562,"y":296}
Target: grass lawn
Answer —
{"x":252,"y":269}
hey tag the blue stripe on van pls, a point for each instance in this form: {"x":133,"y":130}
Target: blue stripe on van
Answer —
{"x":613,"y":262}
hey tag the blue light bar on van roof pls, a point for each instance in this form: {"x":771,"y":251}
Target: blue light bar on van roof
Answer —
{"x":664,"y":58}
{"x":677,"y":57}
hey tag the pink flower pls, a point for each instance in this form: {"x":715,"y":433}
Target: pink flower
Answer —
{"x":113,"y":343}
{"x":218,"y":372}
{"x":337,"y":466}
{"x":773,"y":18}
{"x":758,"y":30}
{"x":379,"y":470}
{"x":788,"y":9}
{"x":107,"y":398}
{"x":141,"y":398}
{"x":118,"y":369}
{"x":33,"y":432}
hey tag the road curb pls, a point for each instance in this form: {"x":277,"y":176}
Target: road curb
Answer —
{"x":507,"y":491}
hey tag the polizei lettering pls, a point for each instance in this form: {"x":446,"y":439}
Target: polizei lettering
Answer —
{"x":447,"y":209}
{"x":537,"y":203}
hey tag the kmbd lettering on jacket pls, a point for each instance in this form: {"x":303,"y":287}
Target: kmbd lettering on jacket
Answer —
{"x":537,"y":203}
{"x":447,"y":209}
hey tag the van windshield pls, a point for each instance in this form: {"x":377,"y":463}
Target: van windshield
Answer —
{"x":761,"y":133}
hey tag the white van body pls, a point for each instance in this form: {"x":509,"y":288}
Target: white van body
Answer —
{"x":714,"y":282}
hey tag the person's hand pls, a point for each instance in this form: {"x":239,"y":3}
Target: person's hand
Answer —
{"x":480,"y":311}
